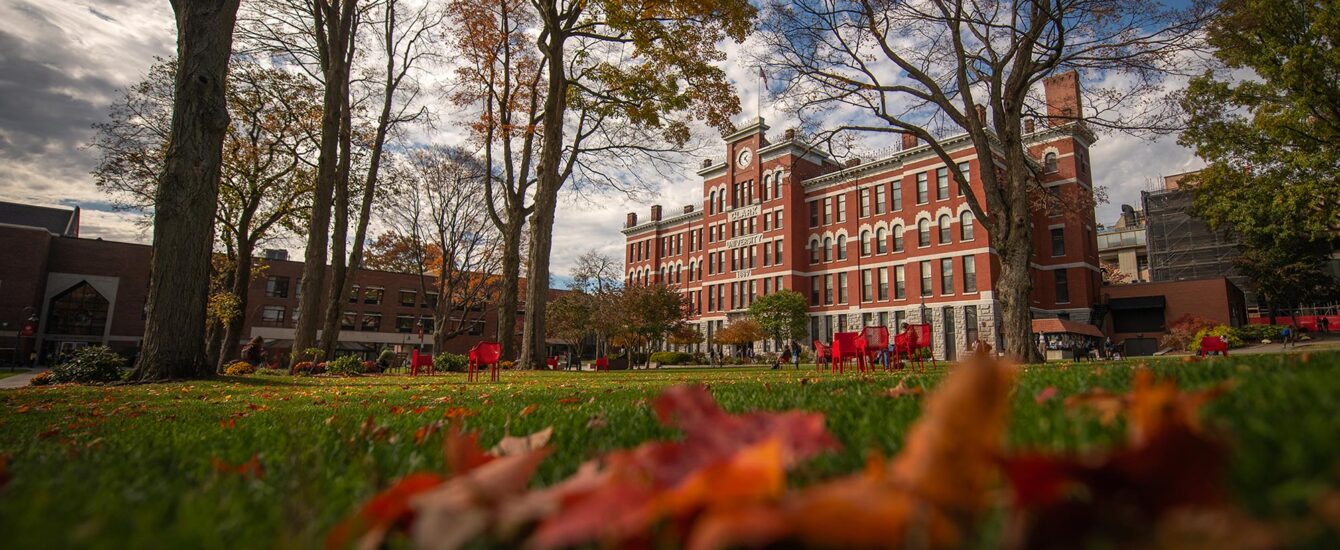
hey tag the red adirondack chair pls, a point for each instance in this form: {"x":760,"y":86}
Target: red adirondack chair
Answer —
{"x":1213,"y":344}
{"x":820,"y":352}
{"x":845,"y":350}
{"x":602,"y":363}
{"x":417,"y":360}
{"x":876,"y":339}
{"x":484,"y":354}
{"x":903,"y":346}
{"x":552,"y":362}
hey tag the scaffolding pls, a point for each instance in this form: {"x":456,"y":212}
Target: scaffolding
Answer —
{"x":1182,"y":247}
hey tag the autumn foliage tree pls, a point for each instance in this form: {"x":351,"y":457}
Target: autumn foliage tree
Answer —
{"x":265,"y":179}
{"x":966,"y":68}
{"x":619,"y":77}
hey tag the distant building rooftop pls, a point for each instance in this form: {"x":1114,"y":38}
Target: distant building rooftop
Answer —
{"x":57,"y":221}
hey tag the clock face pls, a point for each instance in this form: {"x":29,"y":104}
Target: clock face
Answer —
{"x":745,"y":156}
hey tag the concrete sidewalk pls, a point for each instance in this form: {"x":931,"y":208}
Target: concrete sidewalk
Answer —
{"x":19,"y":380}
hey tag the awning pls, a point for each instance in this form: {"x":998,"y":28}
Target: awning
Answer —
{"x":1064,"y":326}
{"x":1138,"y":302}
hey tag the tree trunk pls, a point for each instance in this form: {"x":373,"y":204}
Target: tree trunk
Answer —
{"x":1014,"y":291}
{"x":187,"y":195}
{"x":240,"y":287}
{"x":339,"y":274}
{"x":511,"y":273}
{"x":335,"y":69}
{"x":548,"y":182}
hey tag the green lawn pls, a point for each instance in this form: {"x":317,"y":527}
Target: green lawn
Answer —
{"x":132,"y":466}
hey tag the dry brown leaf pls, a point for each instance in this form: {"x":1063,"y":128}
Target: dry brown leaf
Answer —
{"x":461,"y":509}
{"x":901,"y":390}
{"x":513,"y":445}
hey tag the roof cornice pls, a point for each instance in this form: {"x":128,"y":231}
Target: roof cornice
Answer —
{"x":674,"y":220}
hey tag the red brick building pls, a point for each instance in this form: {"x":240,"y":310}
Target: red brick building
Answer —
{"x":80,"y":292}
{"x":871,"y":242}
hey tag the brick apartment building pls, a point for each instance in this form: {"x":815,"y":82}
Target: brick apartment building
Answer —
{"x":59,"y":292}
{"x":872,"y":243}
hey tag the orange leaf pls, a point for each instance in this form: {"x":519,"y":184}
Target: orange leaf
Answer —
{"x":1045,"y":395}
{"x":462,"y":451}
{"x":384,"y":510}
{"x":529,"y":409}
{"x":902,"y":390}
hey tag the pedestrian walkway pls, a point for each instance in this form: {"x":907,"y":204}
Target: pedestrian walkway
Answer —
{"x":19,"y":380}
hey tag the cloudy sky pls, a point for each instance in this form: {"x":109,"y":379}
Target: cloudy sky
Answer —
{"x":62,"y":63}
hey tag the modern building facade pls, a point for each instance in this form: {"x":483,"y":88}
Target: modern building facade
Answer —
{"x":1182,"y":246}
{"x":59,"y":292}
{"x":872,"y":243}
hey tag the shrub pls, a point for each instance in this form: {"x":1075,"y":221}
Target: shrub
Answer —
{"x":1257,"y":333}
{"x":671,"y":358}
{"x":309,"y":368}
{"x":239,"y":368}
{"x":506,"y":365}
{"x":1220,"y":330}
{"x":271,"y":372}
{"x":345,"y":366}
{"x":450,"y":362}
{"x":371,"y":367}
{"x":90,"y":364}
{"x":1182,"y":332}
{"x":42,"y":379}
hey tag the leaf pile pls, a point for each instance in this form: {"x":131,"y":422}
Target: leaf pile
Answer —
{"x":724,"y":484}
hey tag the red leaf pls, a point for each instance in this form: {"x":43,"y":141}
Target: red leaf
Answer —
{"x":529,"y":409}
{"x":1045,"y":395}
{"x":387,"y":509}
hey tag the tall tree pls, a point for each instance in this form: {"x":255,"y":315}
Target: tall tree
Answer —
{"x":1271,"y":136}
{"x":403,"y":36}
{"x":265,"y":180}
{"x":955,"y":67}
{"x":319,"y":37}
{"x":187,"y":195}
{"x":623,"y":67}
{"x":499,"y":79}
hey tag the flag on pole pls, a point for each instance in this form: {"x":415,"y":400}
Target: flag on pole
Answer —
{"x":762,"y":75}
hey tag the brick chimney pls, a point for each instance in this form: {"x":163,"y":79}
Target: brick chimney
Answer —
{"x":852,"y":163}
{"x":981,"y":113}
{"x":688,"y":209}
{"x":1063,"y":98}
{"x":790,"y":134}
{"x":632,"y":220}
{"x":707,"y":163}
{"x":909,"y":140}
{"x":655,"y":212}
{"x":1030,"y":126}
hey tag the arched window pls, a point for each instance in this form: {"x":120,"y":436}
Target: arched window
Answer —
{"x":881,"y":241}
{"x":924,"y":232}
{"x":767,"y":186}
{"x":828,"y":249}
{"x":1049,"y":162}
{"x":777,"y":185}
{"x":712,"y":202}
{"x":814,"y":252}
{"x":965,"y":226}
{"x":842,"y":247}
{"x":865,"y":243}
{"x":944,"y":229}
{"x":897,"y":238}
{"x":721,"y":201}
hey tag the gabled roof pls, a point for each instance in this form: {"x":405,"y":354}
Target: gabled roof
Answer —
{"x":57,"y":221}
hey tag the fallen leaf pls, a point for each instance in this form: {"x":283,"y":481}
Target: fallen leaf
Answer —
{"x":511,"y":445}
{"x":529,"y":409}
{"x":596,"y":422}
{"x":458,"y":511}
{"x":385,"y":510}
{"x":901,"y":390}
{"x":251,"y":468}
{"x":1045,"y":395}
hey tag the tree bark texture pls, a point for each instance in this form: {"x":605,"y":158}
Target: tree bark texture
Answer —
{"x":549,"y":180}
{"x":241,"y":285}
{"x":187,"y":195}
{"x":511,"y":273}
